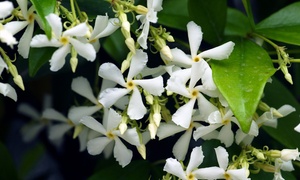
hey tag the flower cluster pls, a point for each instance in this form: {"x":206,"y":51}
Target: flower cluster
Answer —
{"x":136,"y":102}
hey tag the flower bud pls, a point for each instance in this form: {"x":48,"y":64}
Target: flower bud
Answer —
{"x":73,"y":62}
{"x":130,"y":44}
{"x":19,"y":81}
{"x":152,"y":129}
{"x":142,"y":150}
{"x":157,"y":119}
{"x":141,"y":9}
{"x":165,"y":53}
{"x":122,"y":127}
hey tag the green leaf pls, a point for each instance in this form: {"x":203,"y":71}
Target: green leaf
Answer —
{"x":283,"y":25}
{"x":247,"y":6}
{"x":242,"y":77}
{"x":174,"y":14}
{"x":276,"y":95}
{"x":115,"y":46}
{"x":43,"y":8}
{"x":7,"y":167}
{"x":211,"y":16}
{"x":38,"y":57}
{"x":135,"y":170}
{"x":237,"y":23}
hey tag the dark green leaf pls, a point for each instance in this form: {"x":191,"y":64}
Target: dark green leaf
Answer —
{"x":7,"y":167}
{"x":115,"y":46}
{"x":242,"y":77}
{"x":276,"y":95}
{"x":38,"y":57}
{"x":174,"y":14}
{"x":237,"y":23}
{"x":283,"y":25}
{"x":43,"y":8}
{"x":211,"y":16}
{"x":247,"y":6}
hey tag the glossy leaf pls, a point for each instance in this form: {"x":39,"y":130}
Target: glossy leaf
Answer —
{"x":174,"y":14}
{"x":283,"y":25}
{"x":38,"y":57}
{"x":247,"y":6}
{"x":242,"y":78}
{"x":237,"y":23}
{"x":43,"y":8}
{"x":211,"y":16}
{"x":276,"y":95}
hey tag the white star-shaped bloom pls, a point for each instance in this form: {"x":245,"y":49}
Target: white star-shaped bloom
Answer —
{"x":103,"y":27}
{"x":136,"y":108}
{"x":6,"y":8}
{"x":64,"y":40}
{"x":8,"y":90}
{"x":6,"y":35}
{"x":111,"y":134}
{"x":224,"y":120}
{"x":153,"y":7}
{"x":177,"y":84}
{"x":222,"y":172}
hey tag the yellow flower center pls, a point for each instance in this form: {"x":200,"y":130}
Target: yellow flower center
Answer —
{"x":130,"y":85}
{"x":190,"y":176}
{"x":194,"y":93}
{"x":64,"y":40}
{"x":70,"y":122}
{"x":31,"y":18}
{"x":110,"y":135}
{"x":225,"y":121}
{"x":196,"y":59}
{"x":227,"y":176}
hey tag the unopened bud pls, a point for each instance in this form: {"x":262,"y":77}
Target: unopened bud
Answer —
{"x":142,"y":150}
{"x":288,"y":77}
{"x":125,"y":65}
{"x":165,"y":53}
{"x":157,"y":119}
{"x":149,"y":98}
{"x":122,"y":127}
{"x":19,"y":81}
{"x":152,"y":129}
{"x":73,"y":63}
{"x":130,"y":44}
{"x":126,"y":29}
{"x":141,"y":9}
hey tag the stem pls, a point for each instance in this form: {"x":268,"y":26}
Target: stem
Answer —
{"x":292,"y":60}
{"x":267,"y":40}
{"x":73,"y":9}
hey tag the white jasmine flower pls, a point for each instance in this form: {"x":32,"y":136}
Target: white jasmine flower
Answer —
{"x":111,"y":135}
{"x":269,"y":119}
{"x":64,"y":40}
{"x":31,"y":130}
{"x":222,"y":172}
{"x":153,"y":7}
{"x":103,"y":27}
{"x":224,"y":120}
{"x":282,"y":165}
{"x":6,"y":8}
{"x":8,"y":90}
{"x":174,"y":167}
{"x":136,"y":108}
{"x":246,"y":139}
{"x":176,"y":83}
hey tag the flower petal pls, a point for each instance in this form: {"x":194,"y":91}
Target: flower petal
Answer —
{"x":136,"y":109}
{"x":24,"y":42}
{"x":196,"y":159}
{"x":111,"y":95}
{"x":172,"y":166}
{"x":57,"y":131}
{"x":180,"y":58}
{"x":29,"y":111}
{"x":297,"y":128}
{"x":93,"y":124}
{"x":6,"y":8}
{"x":29,"y":131}
{"x":131,"y":136}
{"x":85,"y":50}
{"x":181,"y":146}
{"x":8,"y":90}
{"x":76,"y":113}
{"x":52,"y":114}
{"x":222,"y":157}
{"x":154,"y":86}
{"x":138,"y":62}
{"x":286,"y":110}
{"x":96,"y":146}
{"x":100,"y":24}
{"x":218,"y":53}
{"x":226,"y":135}
{"x":168,"y":129}
{"x":195,"y":37}
{"x":113,"y":119}
{"x":121,"y":153}
{"x":237,"y":174}
{"x":204,"y":130}
{"x":82,"y":86}
{"x":205,"y":107}
{"x":111,"y":27}
{"x":23,"y":5}
{"x":15,"y":26}
{"x":79,"y":30}
{"x":58,"y":58}
{"x":142,"y":39}
{"x":209,"y":173}
{"x":176,"y":85}
{"x":183,"y":115}
{"x":41,"y":40}
{"x":111,"y":72}
{"x":55,"y":23}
